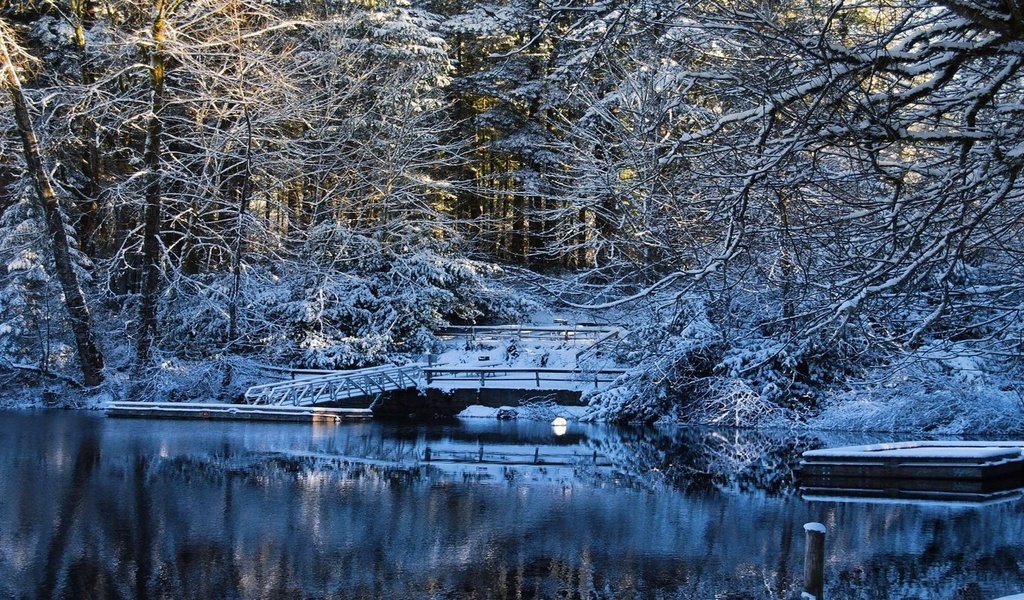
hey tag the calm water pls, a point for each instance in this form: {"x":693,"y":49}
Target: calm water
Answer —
{"x":104,"y":508}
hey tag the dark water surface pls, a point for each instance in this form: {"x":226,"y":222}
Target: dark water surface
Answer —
{"x":103,"y":508}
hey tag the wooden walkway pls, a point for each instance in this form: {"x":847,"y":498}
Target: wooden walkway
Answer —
{"x":519,"y":378}
{"x":974,"y":472}
{"x":336,"y":387}
{"x":187,"y":410}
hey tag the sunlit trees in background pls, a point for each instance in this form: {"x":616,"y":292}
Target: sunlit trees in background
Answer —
{"x":796,"y":191}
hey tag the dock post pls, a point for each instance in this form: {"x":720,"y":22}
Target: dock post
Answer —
{"x":814,"y":561}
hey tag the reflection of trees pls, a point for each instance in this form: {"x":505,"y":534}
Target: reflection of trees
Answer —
{"x":705,"y":459}
{"x":140,"y":516}
{"x":68,"y":510}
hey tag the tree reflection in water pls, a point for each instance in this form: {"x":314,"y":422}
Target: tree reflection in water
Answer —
{"x":136,"y":509}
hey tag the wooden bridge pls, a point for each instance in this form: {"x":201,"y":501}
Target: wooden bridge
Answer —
{"x":369,"y":384}
{"x":358,"y":393}
{"x":336,"y":387}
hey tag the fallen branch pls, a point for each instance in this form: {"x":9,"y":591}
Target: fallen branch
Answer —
{"x":16,"y":367}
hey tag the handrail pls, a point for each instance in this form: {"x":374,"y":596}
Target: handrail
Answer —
{"x":434,"y":374}
{"x":558,"y":328}
{"x":295,"y":370}
{"x":337,"y":385}
{"x":525,"y":332}
{"x":500,"y":369}
{"x":334,"y":376}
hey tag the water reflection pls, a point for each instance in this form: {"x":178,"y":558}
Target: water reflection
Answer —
{"x":139,"y":509}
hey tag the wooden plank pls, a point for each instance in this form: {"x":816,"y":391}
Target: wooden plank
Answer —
{"x":185,"y":410}
{"x":913,"y":470}
{"x":921,"y":451}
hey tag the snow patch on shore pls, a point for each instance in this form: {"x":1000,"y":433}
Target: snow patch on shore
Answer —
{"x":527,"y":412}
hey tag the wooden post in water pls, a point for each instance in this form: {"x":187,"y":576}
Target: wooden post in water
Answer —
{"x":814,"y":561}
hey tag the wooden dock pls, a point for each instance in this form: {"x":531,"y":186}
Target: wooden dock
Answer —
{"x":238,"y":412}
{"x":918,"y":460}
{"x":967,"y":472}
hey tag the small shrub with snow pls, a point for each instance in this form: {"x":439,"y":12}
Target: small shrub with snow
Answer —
{"x":668,"y":361}
{"x":936,"y":389}
{"x":716,"y":368}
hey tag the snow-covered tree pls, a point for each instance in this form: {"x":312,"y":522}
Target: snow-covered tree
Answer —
{"x":90,"y":357}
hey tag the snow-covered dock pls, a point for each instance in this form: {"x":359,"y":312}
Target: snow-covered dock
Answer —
{"x":975,"y":471}
{"x":184,"y":410}
{"x":922,"y":460}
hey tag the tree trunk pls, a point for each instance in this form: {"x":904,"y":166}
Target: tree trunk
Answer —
{"x":236,"y":259}
{"x":89,"y":356}
{"x":151,"y":223}
{"x":786,"y":266}
{"x":82,"y":12}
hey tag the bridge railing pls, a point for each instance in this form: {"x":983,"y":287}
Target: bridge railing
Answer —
{"x":336,"y":386}
{"x":489,"y":333}
{"x":534,"y":377}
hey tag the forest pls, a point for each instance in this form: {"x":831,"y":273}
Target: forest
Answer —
{"x":805,"y":211}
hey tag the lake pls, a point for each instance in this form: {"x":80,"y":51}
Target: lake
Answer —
{"x":92,"y":507}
